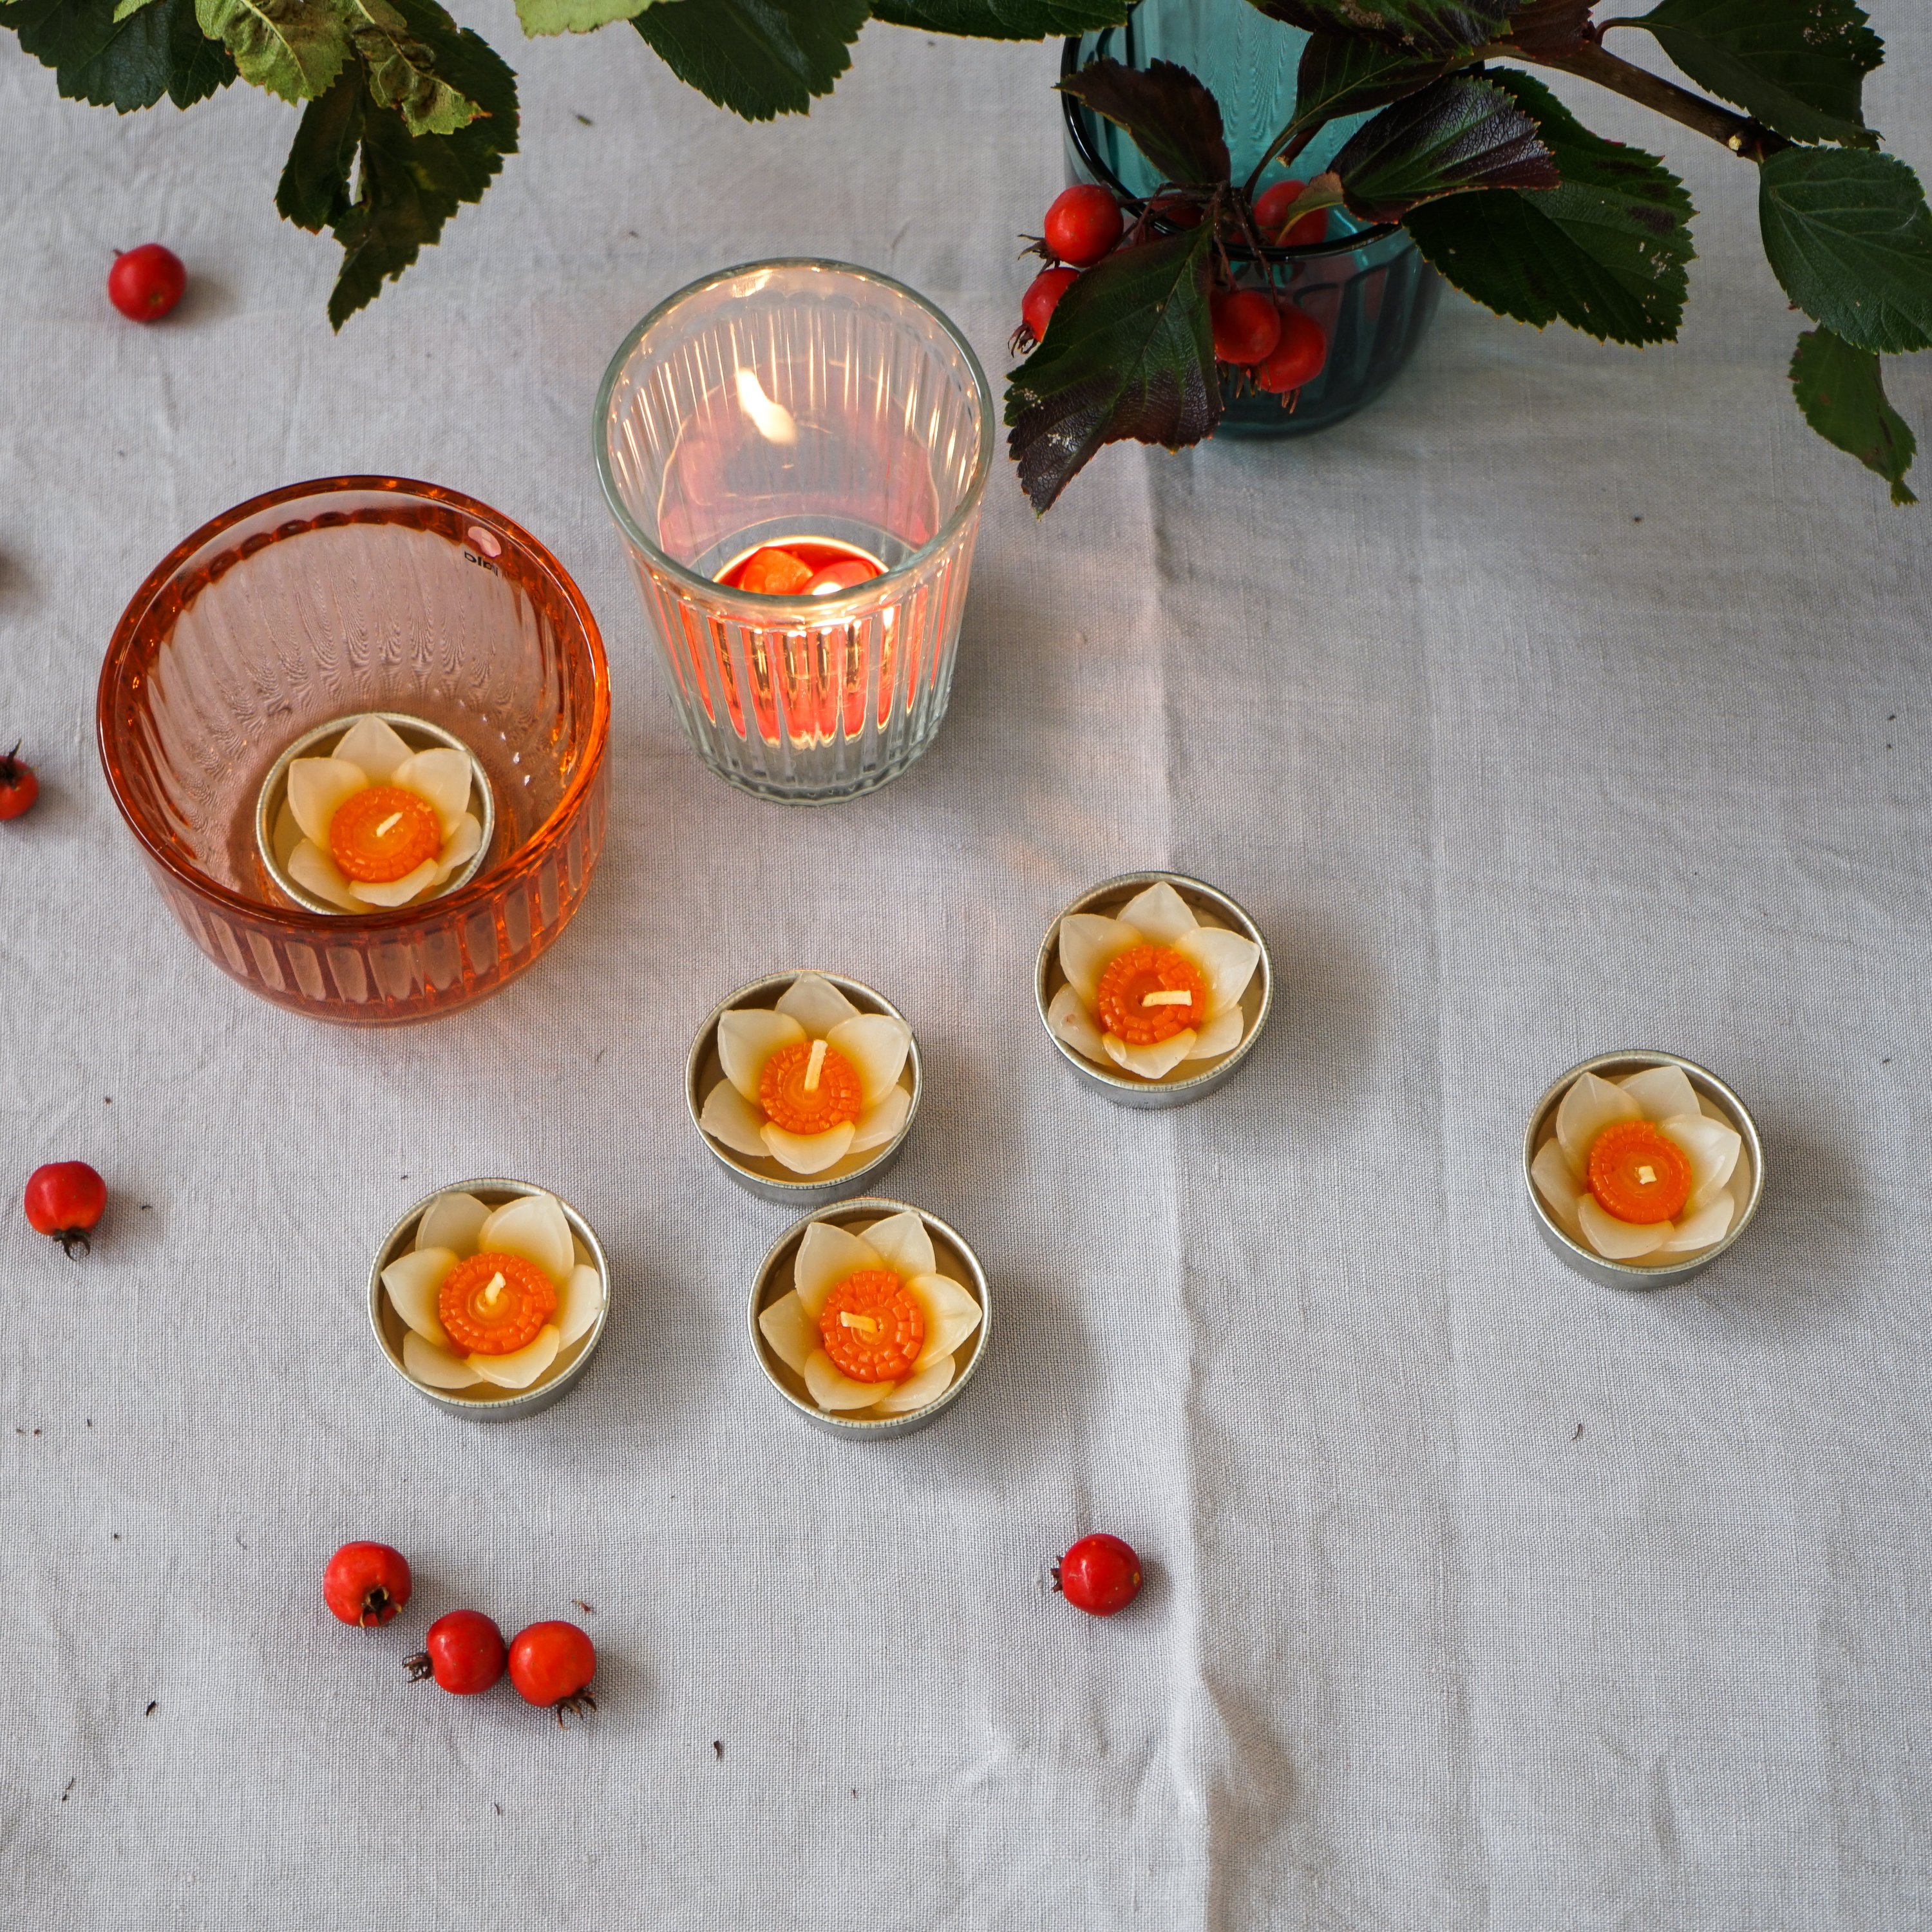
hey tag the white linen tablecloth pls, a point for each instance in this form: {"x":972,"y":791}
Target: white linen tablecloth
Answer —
{"x":1568,"y":698}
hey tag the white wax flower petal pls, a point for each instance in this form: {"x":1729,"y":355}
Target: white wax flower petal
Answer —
{"x":1227,"y":963}
{"x":817,"y":1004}
{"x":1590,"y":1105}
{"x":580,"y":1304}
{"x":317,"y":787}
{"x":452,"y":1221}
{"x":460,"y":847}
{"x":521,"y":1366}
{"x":902,"y":1242}
{"x":534,"y":1227}
{"x":748,"y":1037}
{"x":1088,"y":944}
{"x":1222,"y":1034}
{"x":879,"y":1124}
{"x":1071,"y":1021}
{"x":1556,"y":1184}
{"x":434,"y":1367}
{"x":1619,"y":1240}
{"x":1159,"y":912}
{"x":916,"y":1391}
{"x":287,"y":834}
{"x":789,"y":1332}
{"x":411,"y":1281}
{"x":313,"y":870}
{"x":441,"y":775}
{"x":374,"y":746}
{"x":1150,"y":1062}
{"x":951,"y":1316}
{"x":396,"y":892}
{"x":826,"y":1256}
{"x":834,"y":1391}
{"x":808,"y":1154}
{"x":876,"y":1044}
{"x":728,"y":1116}
{"x":1661,"y":1091}
{"x":1708,"y":1224}
{"x":1710,"y":1146}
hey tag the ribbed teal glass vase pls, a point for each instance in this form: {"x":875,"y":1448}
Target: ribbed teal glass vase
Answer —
{"x":1370,"y":291}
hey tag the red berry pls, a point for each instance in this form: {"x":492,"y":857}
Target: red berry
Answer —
{"x":66,"y":1199}
{"x":146,"y":282}
{"x":19,"y":788}
{"x":1271,"y":217}
{"x":1099,"y":1574}
{"x":366,"y":1583}
{"x":463,"y":1652}
{"x":551,"y":1664}
{"x":1176,"y":210}
{"x":1083,"y":224}
{"x":1042,"y":298}
{"x":1247,"y":326}
{"x":1298,"y":357}
{"x":846,"y":574}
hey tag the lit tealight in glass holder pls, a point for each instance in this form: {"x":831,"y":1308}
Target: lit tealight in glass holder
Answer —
{"x":796,"y":453}
{"x":372,"y":811}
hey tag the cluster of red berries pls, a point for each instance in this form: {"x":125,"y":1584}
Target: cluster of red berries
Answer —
{"x":551,"y":1664}
{"x":66,"y":1198}
{"x":1281,"y":345}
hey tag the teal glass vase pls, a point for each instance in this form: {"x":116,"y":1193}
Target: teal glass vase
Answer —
{"x":1370,"y":291}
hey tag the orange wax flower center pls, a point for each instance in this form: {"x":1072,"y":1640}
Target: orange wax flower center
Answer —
{"x":774,"y":573}
{"x":495,"y":1304}
{"x":1637,"y":1174}
{"x":808,"y":1088}
{"x":1137,"y":999}
{"x":873,"y":1329}
{"x":383,"y":834}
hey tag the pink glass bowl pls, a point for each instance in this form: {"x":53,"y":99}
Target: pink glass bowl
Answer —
{"x":352,"y":594}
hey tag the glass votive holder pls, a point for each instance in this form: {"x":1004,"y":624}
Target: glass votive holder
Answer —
{"x":317,"y":603}
{"x":810,"y":403}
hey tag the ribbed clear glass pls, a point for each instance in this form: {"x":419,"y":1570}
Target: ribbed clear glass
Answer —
{"x":789,"y":400}
{"x":1370,"y":291}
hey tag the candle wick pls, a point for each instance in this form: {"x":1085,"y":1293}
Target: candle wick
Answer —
{"x":1175,"y":996}
{"x":814,"y":1066}
{"x":388,"y":825}
{"x":493,"y":1293}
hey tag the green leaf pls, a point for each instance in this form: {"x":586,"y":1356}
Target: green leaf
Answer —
{"x":408,"y":185}
{"x":293,"y":48}
{"x":1456,"y":134}
{"x":314,"y":191}
{"x":1842,"y":394}
{"x":1004,"y":20}
{"x":758,"y":57}
{"x":1605,"y":251}
{"x":1797,"y":65}
{"x":1168,"y":115}
{"x":1343,"y":73}
{"x":124,"y":63}
{"x":1446,"y":27}
{"x":1129,"y":353}
{"x":403,"y":70}
{"x":1848,"y":234}
{"x":575,"y":16}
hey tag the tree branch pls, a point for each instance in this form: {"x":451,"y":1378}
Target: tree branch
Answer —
{"x":1737,"y":132}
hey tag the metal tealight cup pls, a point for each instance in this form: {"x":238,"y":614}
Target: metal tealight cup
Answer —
{"x":483,"y":1402}
{"x":773,"y":1281}
{"x":1211,"y":907}
{"x":1638,"y":1274}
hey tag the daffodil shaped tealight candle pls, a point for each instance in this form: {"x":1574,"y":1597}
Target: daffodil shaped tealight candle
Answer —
{"x":1638,"y":1169}
{"x":871,"y":1325}
{"x":372,"y":824}
{"x":499,"y":1296}
{"x":1151,"y":989}
{"x":808,"y":1082}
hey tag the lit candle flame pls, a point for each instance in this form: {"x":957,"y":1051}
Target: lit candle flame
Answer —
{"x":773,"y":421}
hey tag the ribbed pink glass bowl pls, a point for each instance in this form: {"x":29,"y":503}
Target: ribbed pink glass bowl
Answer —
{"x":322,"y":599}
